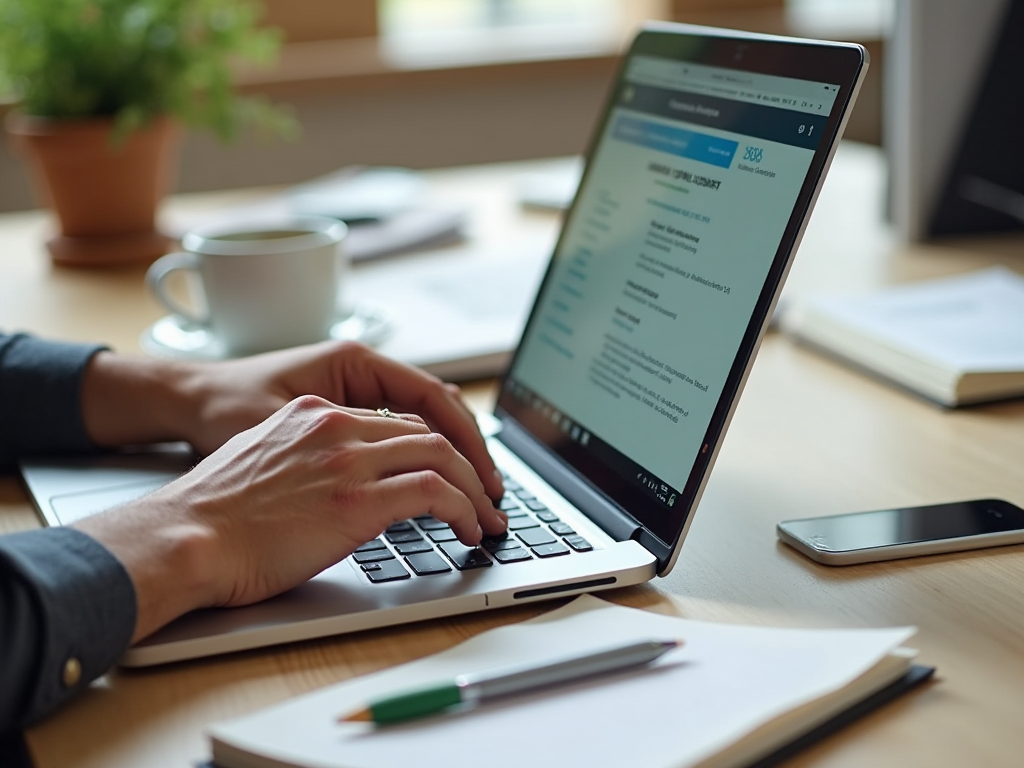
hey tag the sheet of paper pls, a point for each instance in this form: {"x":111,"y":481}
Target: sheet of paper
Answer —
{"x":726,"y":681}
{"x":972,"y":322}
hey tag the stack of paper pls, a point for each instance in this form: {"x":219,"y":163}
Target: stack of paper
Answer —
{"x":729,"y":696}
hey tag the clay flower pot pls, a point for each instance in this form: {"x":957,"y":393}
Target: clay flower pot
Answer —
{"x":105,"y":194}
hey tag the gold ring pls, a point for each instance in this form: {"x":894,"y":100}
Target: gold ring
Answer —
{"x":386,"y":413}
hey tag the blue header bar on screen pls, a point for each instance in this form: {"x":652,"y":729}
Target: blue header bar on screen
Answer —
{"x":676,"y":141}
{"x":784,"y":126}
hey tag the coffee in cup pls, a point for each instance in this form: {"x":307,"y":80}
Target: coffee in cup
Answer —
{"x":263,"y":287}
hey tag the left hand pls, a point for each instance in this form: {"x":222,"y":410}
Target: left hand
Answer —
{"x":132,"y":400}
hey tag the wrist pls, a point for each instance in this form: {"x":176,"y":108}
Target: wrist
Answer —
{"x":170,"y":559}
{"x":129,"y":400}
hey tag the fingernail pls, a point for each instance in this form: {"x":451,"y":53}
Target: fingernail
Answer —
{"x":497,"y":474}
{"x":479,"y":533}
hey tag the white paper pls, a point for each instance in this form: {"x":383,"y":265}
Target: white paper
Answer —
{"x":723,"y":683}
{"x":969,"y":323}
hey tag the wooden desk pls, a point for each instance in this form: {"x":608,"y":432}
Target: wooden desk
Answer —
{"x":810,"y":437}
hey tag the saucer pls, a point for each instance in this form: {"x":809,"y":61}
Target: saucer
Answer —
{"x":175,"y":337}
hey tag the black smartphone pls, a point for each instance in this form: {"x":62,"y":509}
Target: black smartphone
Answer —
{"x":887,"y":534}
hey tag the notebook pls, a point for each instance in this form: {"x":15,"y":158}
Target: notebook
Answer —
{"x":701,"y":175}
{"x":732,"y":695}
{"x":955,"y":341}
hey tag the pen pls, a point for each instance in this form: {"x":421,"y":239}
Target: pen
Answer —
{"x":478,"y":688}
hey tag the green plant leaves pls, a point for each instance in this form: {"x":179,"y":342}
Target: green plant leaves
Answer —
{"x":136,"y":59}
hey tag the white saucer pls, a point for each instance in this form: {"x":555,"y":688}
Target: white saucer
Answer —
{"x":174,"y":336}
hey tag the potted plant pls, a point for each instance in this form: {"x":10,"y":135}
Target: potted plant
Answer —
{"x":102,"y":86}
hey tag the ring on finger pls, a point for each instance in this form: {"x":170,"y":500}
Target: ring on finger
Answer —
{"x":386,"y":413}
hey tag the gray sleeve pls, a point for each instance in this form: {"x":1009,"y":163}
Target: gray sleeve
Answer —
{"x":67,"y":613}
{"x":40,"y":397}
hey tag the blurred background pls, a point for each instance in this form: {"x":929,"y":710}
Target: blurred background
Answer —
{"x":433,"y":83}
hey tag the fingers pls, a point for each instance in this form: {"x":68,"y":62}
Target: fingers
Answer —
{"x":379,"y":426}
{"x":369,"y":447}
{"x":371,"y":378}
{"x":417,"y":493}
{"x":431,"y":452}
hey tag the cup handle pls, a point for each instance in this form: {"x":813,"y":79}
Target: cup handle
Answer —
{"x":157,"y":274}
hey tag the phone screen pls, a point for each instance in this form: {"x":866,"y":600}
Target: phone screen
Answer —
{"x":891,"y":527}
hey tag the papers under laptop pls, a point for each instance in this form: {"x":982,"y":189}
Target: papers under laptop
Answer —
{"x":456,"y":310}
{"x":695,"y":194}
{"x":457,"y":313}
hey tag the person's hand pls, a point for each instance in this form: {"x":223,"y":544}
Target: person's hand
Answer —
{"x":280,"y":502}
{"x":131,"y":400}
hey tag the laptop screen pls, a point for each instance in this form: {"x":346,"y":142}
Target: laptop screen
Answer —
{"x":688,"y":193}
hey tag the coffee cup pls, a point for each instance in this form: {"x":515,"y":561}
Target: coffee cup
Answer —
{"x":263,"y":286}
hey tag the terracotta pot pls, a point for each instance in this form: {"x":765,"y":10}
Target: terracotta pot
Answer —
{"x":105,"y":194}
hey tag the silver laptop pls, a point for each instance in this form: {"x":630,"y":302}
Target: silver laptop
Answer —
{"x":702,"y":173}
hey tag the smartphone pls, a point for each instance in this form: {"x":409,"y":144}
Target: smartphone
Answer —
{"x":887,"y":534}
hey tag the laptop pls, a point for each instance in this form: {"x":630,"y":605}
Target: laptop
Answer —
{"x":697,"y":187}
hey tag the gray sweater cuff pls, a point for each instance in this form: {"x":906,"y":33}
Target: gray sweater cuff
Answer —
{"x":40,"y":397}
{"x":76,"y":614}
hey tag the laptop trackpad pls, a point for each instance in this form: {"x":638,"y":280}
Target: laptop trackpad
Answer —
{"x":72,"y":507}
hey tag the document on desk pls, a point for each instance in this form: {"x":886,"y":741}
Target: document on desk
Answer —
{"x":730,"y":696}
{"x":958,"y":340}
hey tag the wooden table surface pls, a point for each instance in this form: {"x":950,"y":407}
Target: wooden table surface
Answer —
{"x":810,"y":437}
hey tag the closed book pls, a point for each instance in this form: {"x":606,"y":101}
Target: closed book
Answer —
{"x":955,"y":341}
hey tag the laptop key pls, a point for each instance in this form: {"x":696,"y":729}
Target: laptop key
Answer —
{"x":370,"y":567}
{"x":399,"y":527}
{"x":523,"y":494}
{"x":431,"y":524}
{"x":465,"y":558}
{"x":550,"y":550}
{"x":442,"y":534}
{"x":494,"y":545}
{"x":547,"y":517}
{"x":519,"y":523}
{"x":412,"y":547}
{"x":371,"y":545}
{"x":512,"y":555}
{"x":427,"y":563}
{"x":390,"y":570}
{"x":403,"y":537}
{"x":578,"y":543}
{"x":373,"y":556}
{"x":536,"y":506}
{"x":536,"y":536}
{"x":507,"y":503}
{"x":562,"y":529}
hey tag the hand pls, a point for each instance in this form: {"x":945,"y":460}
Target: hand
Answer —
{"x":133,"y":400}
{"x":284,"y":500}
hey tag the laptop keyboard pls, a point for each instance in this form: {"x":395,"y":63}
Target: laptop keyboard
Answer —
{"x":425,"y":546}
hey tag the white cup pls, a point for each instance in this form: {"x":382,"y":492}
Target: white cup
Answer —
{"x":263,"y":286}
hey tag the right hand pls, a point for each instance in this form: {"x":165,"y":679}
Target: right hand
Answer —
{"x":280,"y":502}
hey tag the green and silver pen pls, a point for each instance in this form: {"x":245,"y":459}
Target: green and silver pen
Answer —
{"x":476,"y":689}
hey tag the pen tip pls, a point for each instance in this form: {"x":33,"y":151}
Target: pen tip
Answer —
{"x":359,"y":716}
{"x":670,"y":644}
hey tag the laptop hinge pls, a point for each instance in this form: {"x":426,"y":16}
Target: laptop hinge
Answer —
{"x":609,"y":517}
